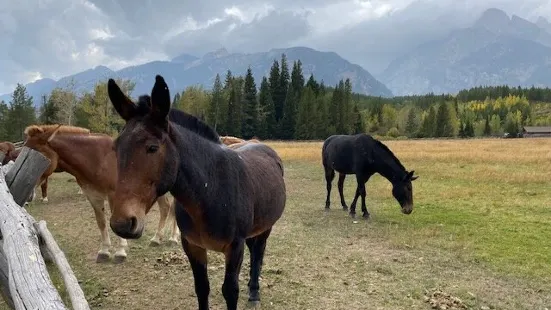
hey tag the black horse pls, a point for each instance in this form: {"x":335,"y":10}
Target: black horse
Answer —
{"x":364,"y":156}
{"x":224,"y":198}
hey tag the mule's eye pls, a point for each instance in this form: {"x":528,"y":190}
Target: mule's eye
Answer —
{"x":152,"y":148}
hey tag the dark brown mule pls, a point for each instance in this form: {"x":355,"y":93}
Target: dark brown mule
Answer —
{"x":91,"y":159}
{"x":224,"y":198}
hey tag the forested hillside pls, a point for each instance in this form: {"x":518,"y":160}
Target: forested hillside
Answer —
{"x":285,"y":106}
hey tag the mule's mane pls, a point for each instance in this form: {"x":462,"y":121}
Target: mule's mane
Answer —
{"x":33,"y":130}
{"x":179,"y":117}
{"x":389,"y":152}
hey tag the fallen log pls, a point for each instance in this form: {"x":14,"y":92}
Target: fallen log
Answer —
{"x":22,"y":177}
{"x":29,"y":283}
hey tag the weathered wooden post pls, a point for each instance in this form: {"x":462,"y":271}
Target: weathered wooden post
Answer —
{"x":23,"y":176}
{"x":24,"y":243}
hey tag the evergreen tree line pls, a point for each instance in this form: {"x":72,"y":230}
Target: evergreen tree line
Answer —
{"x":286,"y":106}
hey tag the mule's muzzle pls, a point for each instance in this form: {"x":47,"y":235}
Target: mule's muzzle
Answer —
{"x":407,"y":209}
{"x":127,"y":228}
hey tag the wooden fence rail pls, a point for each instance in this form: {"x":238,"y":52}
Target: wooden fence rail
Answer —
{"x":25,"y":244}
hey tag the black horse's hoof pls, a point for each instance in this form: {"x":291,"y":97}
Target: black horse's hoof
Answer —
{"x":345,"y":208}
{"x":352,"y":215}
{"x":365,"y":216}
{"x":253,"y":304}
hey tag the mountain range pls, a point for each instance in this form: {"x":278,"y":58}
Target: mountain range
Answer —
{"x":185,"y":70}
{"x":495,"y":50}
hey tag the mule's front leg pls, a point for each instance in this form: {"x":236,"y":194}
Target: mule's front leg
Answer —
{"x":120,"y":253}
{"x":234,"y":258}
{"x":198,"y":260}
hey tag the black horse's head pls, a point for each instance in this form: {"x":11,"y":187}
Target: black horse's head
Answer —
{"x":402,"y":190}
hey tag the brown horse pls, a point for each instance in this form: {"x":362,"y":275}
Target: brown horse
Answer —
{"x":9,"y":150}
{"x":91,"y":159}
{"x":224,"y":198}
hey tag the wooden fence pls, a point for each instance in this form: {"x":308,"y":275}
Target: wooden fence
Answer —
{"x":26,"y":245}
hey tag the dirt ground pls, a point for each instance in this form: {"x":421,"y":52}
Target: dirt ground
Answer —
{"x":317,"y":259}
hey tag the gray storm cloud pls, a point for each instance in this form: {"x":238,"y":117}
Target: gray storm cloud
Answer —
{"x":53,"y":38}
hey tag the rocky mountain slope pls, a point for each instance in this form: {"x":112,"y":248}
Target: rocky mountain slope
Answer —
{"x":497,"y":49}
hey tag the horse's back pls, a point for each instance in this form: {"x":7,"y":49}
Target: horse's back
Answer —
{"x":339,"y":151}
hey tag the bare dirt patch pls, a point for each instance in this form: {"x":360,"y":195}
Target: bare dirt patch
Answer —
{"x":323,"y":260}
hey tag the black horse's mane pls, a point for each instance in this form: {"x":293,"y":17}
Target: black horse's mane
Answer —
{"x":386,"y":149}
{"x":181,"y":118}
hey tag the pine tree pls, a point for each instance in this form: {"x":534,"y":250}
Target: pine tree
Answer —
{"x":428,"y":127}
{"x":214,"y":117}
{"x":358,"y":126}
{"x":21,"y":113}
{"x":265,"y":111}
{"x":249,"y":126}
{"x":305,"y":127}
{"x":293,"y":99}
{"x":234,"y":107}
{"x":461,"y":133}
{"x":469,"y":128}
{"x":411,"y":125}
{"x":3,"y":120}
{"x":487,"y":128}
{"x":48,"y":111}
{"x":444,"y":127}
{"x":313,"y":84}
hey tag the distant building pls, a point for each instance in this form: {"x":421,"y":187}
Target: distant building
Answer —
{"x":536,"y":131}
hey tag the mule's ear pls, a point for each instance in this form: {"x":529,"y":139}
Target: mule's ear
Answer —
{"x":411,"y":177}
{"x":124,"y":106}
{"x":160,"y":99}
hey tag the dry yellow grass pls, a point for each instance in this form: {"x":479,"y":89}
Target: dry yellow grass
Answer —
{"x":480,"y":231}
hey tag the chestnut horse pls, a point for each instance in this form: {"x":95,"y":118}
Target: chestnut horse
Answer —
{"x":224,"y":198}
{"x":9,"y":151}
{"x":91,"y":159}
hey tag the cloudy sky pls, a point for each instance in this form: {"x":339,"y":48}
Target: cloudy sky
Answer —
{"x":54,"y":38}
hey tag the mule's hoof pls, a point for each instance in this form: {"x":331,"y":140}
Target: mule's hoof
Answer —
{"x":366,"y":216}
{"x":118,"y":259}
{"x":172,"y":242}
{"x":103,"y":258}
{"x":253,"y":304}
{"x":154,"y":242}
{"x":45,"y":200}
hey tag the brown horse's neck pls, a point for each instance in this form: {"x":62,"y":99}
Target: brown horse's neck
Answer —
{"x":89,"y":158}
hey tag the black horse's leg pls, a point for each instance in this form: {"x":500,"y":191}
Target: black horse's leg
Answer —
{"x":329,"y":176}
{"x":256,"y":246}
{"x":359,"y":187}
{"x":353,"y":204}
{"x":198,"y":260}
{"x":340,"y":184}
{"x":363,"y":193}
{"x":234,"y":258}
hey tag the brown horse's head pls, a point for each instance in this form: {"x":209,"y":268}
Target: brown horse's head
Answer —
{"x":146,"y":157}
{"x":403,"y":192}
{"x":38,"y":138}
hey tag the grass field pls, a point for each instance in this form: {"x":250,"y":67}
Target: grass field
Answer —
{"x":479,"y":237}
